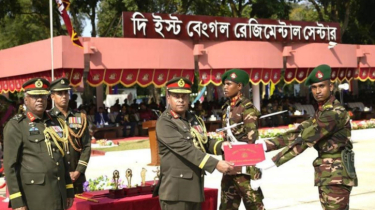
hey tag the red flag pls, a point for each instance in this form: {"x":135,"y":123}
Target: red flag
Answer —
{"x":63,"y":6}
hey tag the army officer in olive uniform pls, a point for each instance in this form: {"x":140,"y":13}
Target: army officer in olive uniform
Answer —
{"x":78,"y":154}
{"x":37,"y":177}
{"x":183,"y":144}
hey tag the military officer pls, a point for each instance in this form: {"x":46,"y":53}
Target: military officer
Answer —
{"x":78,"y":154}
{"x":37,"y":176}
{"x":329,"y":133}
{"x":240,"y":184}
{"x":183,"y":143}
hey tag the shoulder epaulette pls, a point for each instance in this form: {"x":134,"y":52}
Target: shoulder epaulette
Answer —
{"x":224,"y":106}
{"x":249,"y":105}
{"x":328,"y":106}
{"x":18,"y":117}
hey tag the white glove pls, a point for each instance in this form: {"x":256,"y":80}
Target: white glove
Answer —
{"x":265,"y":164}
{"x":261,"y":141}
{"x":255,"y":184}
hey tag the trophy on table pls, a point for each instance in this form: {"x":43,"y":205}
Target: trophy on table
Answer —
{"x":144,"y":188}
{"x":130,"y":191}
{"x":116,"y":177}
{"x":157,"y":176}
{"x":143,"y":176}
{"x":129,"y":175}
{"x":116,"y":192}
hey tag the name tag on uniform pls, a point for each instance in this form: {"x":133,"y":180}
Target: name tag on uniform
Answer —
{"x":58,"y":130}
{"x":34,"y":131}
{"x":75,"y":122}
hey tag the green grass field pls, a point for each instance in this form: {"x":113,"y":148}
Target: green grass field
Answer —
{"x":128,"y":145}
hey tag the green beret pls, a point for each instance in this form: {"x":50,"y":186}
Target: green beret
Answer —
{"x":179,"y":85}
{"x":60,"y":85}
{"x":236,"y":75}
{"x":36,"y":86}
{"x":319,"y":74}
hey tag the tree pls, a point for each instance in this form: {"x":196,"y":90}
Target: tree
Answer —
{"x":25,"y":21}
{"x":87,"y":7}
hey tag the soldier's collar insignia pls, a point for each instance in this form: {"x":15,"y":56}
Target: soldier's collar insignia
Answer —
{"x":234,"y":100}
{"x":174,"y":114}
{"x":30,"y":116}
{"x":38,"y":83}
{"x":181,"y":83}
{"x":319,"y":75}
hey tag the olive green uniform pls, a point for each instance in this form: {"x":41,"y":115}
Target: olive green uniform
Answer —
{"x":182,"y":163}
{"x":34,"y":178}
{"x":77,"y":160}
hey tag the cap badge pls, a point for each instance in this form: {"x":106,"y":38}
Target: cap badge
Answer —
{"x":319,"y":75}
{"x":62,"y":82}
{"x":233,"y":76}
{"x":181,"y":83}
{"x":38,"y":83}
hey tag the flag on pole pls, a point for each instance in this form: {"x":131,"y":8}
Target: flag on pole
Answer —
{"x":63,"y":6}
{"x":272,"y":88}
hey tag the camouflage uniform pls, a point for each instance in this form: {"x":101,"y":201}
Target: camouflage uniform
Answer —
{"x":329,"y":133}
{"x":235,"y":187}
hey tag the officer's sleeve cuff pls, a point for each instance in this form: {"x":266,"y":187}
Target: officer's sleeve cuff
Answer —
{"x":208,"y":163}
{"x":16,"y":201}
{"x":81,"y":167}
{"x":217,"y":148}
{"x":276,"y":161}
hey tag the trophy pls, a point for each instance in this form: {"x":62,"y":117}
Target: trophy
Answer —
{"x":157,"y":176}
{"x":116,"y":193}
{"x":129,"y":175}
{"x":130,"y":191}
{"x":144,"y":188}
{"x":143,"y":176}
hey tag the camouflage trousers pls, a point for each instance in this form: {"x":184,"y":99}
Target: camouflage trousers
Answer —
{"x":334,"y":197}
{"x":235,"y":187}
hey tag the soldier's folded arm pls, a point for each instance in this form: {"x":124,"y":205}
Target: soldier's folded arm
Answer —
{"x":287,"y":137}
{"x":13,"y":144}
{"x":324,"y":126}
{"x":85,"y":153}
{"x":167,"y":132}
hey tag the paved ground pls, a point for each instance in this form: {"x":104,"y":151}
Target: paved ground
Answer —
{"x":289,"y":187}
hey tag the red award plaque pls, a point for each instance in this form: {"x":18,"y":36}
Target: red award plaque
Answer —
{"x":244,"y":154}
